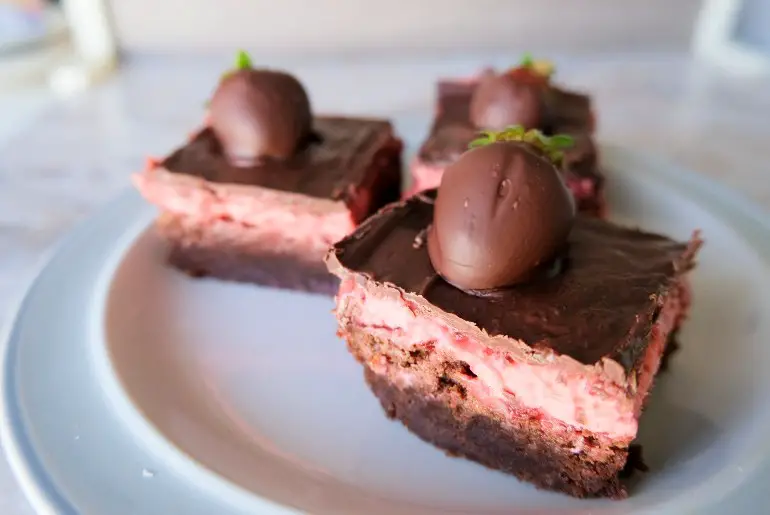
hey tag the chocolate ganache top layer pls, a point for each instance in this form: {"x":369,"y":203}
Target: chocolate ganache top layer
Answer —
{"x":330,"y":168}
{"x":602,"y":304}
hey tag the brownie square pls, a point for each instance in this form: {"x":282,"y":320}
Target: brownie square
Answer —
{"x":545,"y":380}
{"x":568,"y":113}
{"x":273,"y":222}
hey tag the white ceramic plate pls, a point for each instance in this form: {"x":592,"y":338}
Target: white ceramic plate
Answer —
{"x":131,"y":389}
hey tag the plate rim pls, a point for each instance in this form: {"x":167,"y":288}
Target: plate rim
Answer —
{"x":40,"y":489}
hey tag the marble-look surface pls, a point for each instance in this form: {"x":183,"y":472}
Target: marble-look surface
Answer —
{"x":80,"y":152}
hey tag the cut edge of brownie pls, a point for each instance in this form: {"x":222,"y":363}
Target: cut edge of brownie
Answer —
{"x":438,"y":403}
{"x":361,"y":244}
{"x":438,"y":413}
{"x":272,"y":271}
{"x":220,"y":251}
{"x":212,"y":239}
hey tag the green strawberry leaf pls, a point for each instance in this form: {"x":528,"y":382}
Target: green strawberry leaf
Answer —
{"x":550,"y":146}
{"x":538,"y":66}
{"x":561,"y":141}
{"x":526,"y":60}
{"x":242,"y":60}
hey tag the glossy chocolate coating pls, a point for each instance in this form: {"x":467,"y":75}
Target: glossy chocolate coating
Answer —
{"x":503,"y":100}
{"x":602,"y":305}
{"x":258,"y":114}
{"x":341,"y":167}
{"x":502,"y":210}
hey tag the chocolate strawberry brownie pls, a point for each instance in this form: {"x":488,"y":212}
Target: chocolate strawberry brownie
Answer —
{"x":499,"y":326}
{"x":526,"y":96}
{"x":265,"y":188}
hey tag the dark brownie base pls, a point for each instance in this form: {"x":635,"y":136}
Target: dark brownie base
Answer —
{"x":274,"y":271}
{"x":439,"y":414}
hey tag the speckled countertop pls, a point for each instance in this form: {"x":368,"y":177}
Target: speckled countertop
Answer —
{"x":79,"y":152}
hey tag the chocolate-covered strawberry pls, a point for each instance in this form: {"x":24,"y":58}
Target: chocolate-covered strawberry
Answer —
{"x":259,"y":114}
{"x":502,"y":211}
{"x":514,"y":97}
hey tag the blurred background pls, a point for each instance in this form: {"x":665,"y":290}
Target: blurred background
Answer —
{"x":39,"y":36}
{"x":349,"y":25}
{"x":112,"y":80}
{"x":55,"y":47}
{"x":695,"y":64}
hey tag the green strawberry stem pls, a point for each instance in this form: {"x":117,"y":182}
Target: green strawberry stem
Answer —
{"x":242,"y":60}
{"x":538,"y":66}
{"x":551,"y":146}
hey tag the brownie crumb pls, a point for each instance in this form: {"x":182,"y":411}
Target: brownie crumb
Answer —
{"x":415,"y":357}
{"x":459,"y":367}
{"x":447,"y":383}
{"x":465,"y":369}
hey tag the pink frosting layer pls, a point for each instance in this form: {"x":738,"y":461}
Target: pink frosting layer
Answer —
{"x":426,"y":176}
{"x":279,"y":220}
{"x":577,"y":396}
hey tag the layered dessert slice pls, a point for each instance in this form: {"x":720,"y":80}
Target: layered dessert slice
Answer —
{"x":525,"y":95}
{"x":498,"y":326}
{"x":263,"y":190}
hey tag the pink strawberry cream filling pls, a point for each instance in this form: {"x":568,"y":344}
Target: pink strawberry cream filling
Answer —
{"x":283,"y":221}
{"x":513,"y":378}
